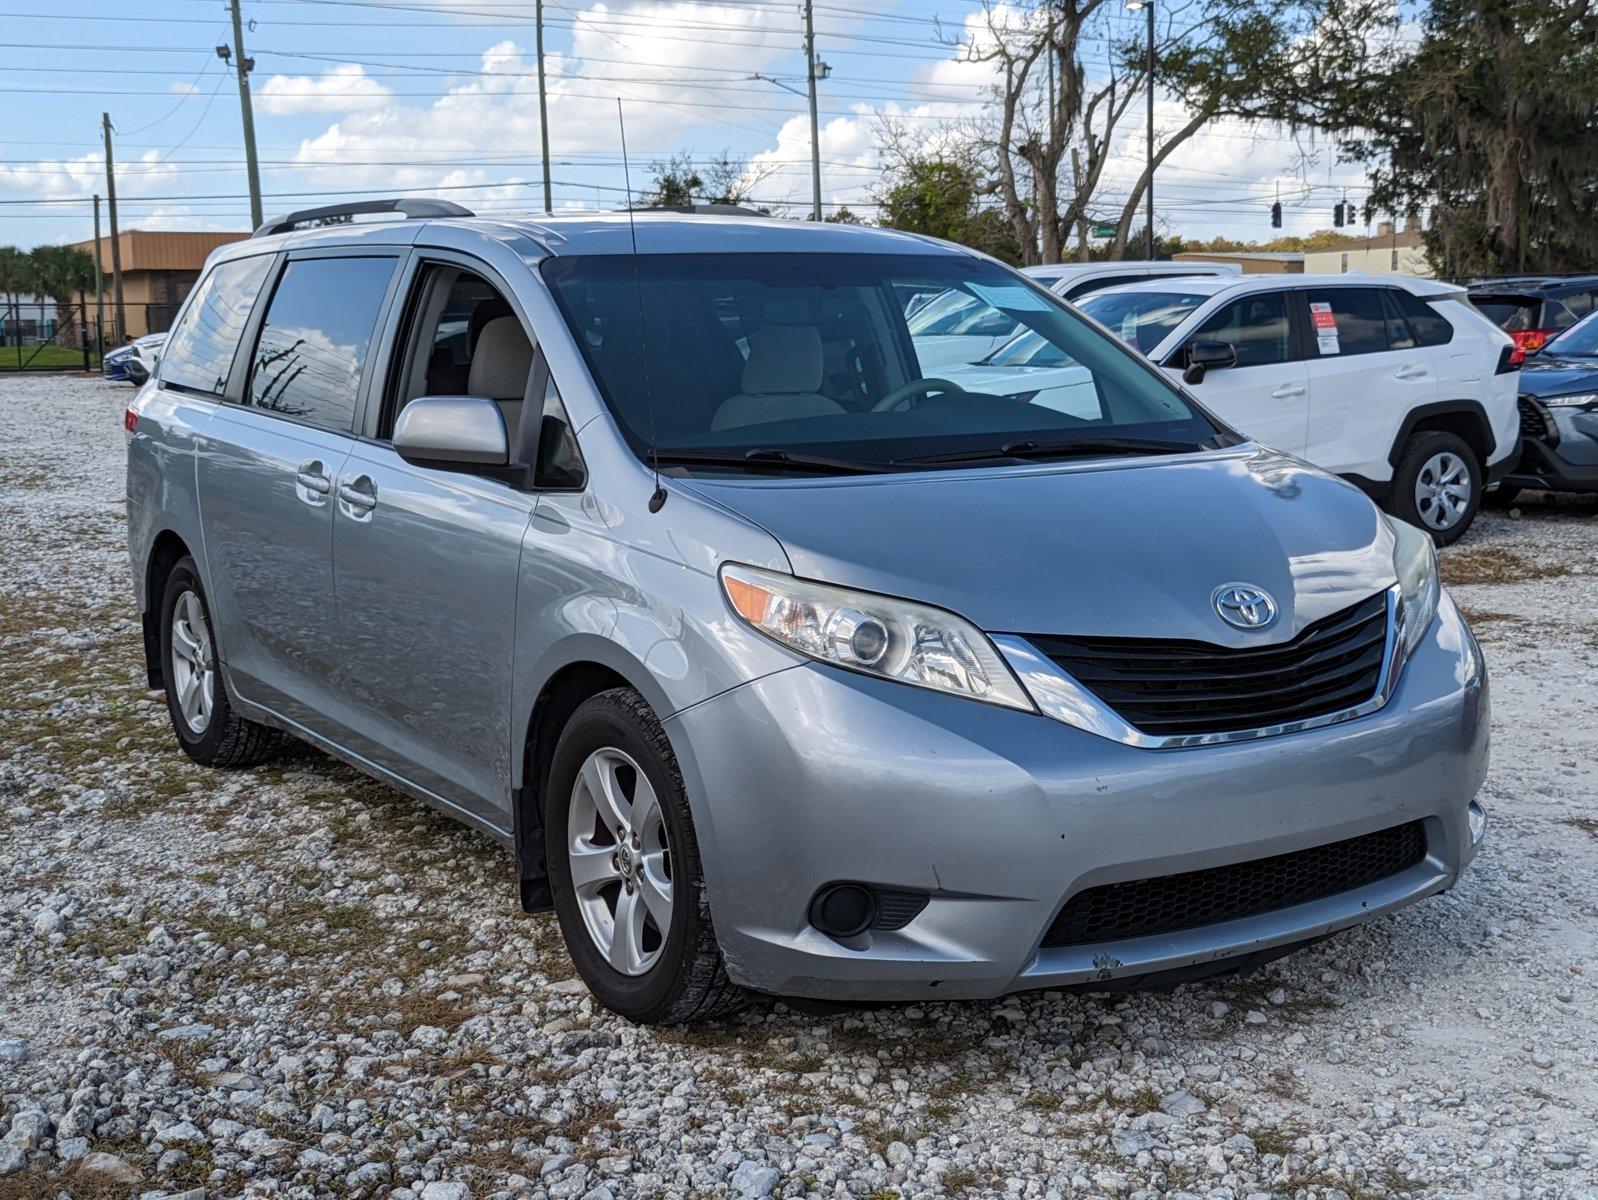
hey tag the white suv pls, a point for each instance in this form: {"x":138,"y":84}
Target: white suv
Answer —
{"x":1396,"y":384}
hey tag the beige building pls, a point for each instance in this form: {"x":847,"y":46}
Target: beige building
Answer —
{"x":158,"y":269}
{"x":1391,"y":252}
{"x":1253,"y":262}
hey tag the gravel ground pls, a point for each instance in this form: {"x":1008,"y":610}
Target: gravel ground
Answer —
{"x":293,"y":982}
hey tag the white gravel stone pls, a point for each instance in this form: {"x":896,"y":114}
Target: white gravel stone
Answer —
{"x":12,"y":1159}
{"x":755,"y":1179}
{"x":47,"y":922}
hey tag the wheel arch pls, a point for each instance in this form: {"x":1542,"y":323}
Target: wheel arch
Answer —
{"x":167,"y":549}
{"x":1466,"y":419}
{"x":565,"y":687}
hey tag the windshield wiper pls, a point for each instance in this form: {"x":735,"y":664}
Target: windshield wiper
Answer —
{"x":765,"y":458}
{"x":1075,"y":447}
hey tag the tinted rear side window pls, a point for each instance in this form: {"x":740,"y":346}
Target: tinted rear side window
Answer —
{"x":1430,"y":327}
{"x":1089,"y":286}
{"x":1352,"y":316}
{"x":314,"y":342}
{"x":199,"y":354}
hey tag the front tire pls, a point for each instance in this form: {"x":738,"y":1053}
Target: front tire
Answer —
{"x":1437,"y":485}
{"x":208,"y":729}
{"x":624,"y":868}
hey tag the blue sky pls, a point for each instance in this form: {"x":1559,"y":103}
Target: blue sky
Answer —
{"x":365,"y":97}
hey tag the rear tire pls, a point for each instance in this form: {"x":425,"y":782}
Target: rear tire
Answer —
{"x":616,"y":816}
{"x":1437,"y":485}
{"x":208,"y":729}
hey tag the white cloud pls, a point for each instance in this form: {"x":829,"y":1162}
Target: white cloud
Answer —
{"x":345,"y":88}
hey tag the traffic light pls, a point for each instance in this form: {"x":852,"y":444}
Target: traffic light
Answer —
{"x":1338,"y":212}
{"x":1276,"y":215}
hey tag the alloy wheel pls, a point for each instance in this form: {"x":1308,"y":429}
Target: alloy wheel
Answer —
{"x":193,"y":662}
{"x":620,"y":857}
{"x":1443,"y":490}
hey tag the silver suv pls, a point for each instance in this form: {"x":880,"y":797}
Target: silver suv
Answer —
{"x":646,"y":546}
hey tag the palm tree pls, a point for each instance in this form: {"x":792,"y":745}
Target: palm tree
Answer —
{"x":58,"y":271}
{"x":16,"y":277}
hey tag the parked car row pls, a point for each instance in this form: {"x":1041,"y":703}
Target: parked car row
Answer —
{"x":790,"y":651}
{"x":1399,"y":386}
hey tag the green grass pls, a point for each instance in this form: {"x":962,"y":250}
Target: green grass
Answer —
{"x":47,"y":357}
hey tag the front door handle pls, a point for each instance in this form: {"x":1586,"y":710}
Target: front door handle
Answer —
{"x":359,"y":496}
{"x":1288,"y":390}
{"x":311,"y":483}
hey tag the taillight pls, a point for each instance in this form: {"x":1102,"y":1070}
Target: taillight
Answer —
{"x":1527,"y":341}
{"x":130,"y":421}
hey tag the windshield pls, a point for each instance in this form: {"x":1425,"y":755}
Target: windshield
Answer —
{"x":783,"y":355}
{"x":1580,"y":340}
{"x":1142,"y":319}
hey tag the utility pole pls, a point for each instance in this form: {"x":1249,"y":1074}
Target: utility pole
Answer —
{"x":543,"y":106}
{"x":815,"y":123}
{"x":116,"y":241}
{"x":99,"y":283}
{"x":242,"y":66}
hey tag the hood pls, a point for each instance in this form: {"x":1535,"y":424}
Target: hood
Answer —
{"x":1555,"y":376}
{"x":1124,"y":548}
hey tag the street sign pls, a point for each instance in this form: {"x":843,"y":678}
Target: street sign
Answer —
{"x":1104,"y":231}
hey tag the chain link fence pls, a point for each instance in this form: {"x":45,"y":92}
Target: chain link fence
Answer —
{"x":66,"y":335}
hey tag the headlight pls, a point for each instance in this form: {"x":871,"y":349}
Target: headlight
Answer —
{"x":1574,"y":400}
{"x":877,"y":635}
{"x":1415,"y":564}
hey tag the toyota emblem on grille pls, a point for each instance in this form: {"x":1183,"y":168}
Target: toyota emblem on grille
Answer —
{"x":1243,"y":605}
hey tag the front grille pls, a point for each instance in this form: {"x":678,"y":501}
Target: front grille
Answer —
{"x":1171,"y":902}
{"x":1534,"y":419}
{"x":1176,"y":688}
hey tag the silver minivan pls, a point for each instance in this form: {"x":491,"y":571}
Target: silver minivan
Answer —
{"x":646,"y":545}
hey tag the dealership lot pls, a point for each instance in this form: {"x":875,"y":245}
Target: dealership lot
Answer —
{"x":292,"y":981}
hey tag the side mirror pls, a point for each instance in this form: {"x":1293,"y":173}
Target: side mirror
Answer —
{"x":1203,"y":357}
{"x":448,"y":431}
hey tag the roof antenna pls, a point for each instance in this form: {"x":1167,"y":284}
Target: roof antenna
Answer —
{"x":657,"y":498}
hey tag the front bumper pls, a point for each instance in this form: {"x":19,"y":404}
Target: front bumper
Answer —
{"x":1565,"y":458}
{"x":813,"y":775}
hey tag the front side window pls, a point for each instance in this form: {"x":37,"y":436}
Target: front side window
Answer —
{"x":464,"y":340}
{"x":199,"y":354}
{"x":1255,"y":326}
{"x":783,"y":354}
{"x":314,"y":342}
{"x":1347,"y":321}
{"x":1141,"y":319}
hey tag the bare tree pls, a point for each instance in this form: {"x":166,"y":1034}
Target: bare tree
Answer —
{"x":1062,"y":116}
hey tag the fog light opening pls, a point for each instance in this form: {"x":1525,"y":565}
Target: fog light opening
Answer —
{"x":1478,"y":822}
{"x":843,"y":910}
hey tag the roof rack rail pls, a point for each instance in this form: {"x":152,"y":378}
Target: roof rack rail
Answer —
{"x":338,"y":214}
{"x":703,"y":210}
